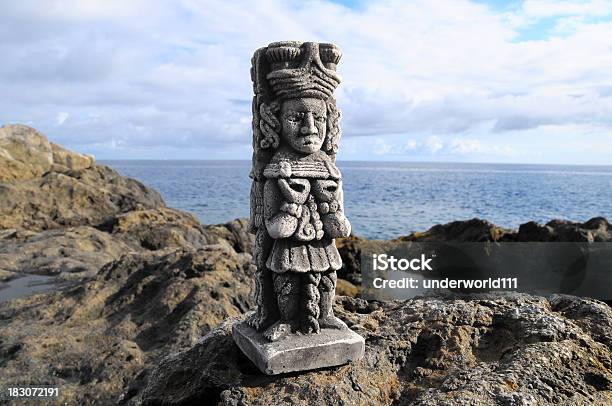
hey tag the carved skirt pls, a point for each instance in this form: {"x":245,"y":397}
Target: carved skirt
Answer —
{"x":288,"y":255}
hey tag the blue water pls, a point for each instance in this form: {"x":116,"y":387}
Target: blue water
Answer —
{"x":385,"y":200}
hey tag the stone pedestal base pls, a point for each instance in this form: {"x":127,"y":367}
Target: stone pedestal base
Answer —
{"x":299,"y":352}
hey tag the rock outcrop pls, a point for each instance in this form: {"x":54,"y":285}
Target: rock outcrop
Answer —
{"x":25,"y":154}
{"x":43,"y":186}
{"x":474,"y":230}
{"x":96,"y":340}
{"x":480,"y":350}
{"x":91,"y":196}
{"x":141,"y":279}
{"x":596,"y":229}
{"x":73,"y":251}
{"x":145,"y":281}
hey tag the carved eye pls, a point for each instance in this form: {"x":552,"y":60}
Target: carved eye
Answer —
{"x":293,"y":118}
{"x":298,"y":187}
{"x":321,"y":119}
{"x":331,"y":188}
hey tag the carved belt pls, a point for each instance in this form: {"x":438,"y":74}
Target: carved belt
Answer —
{"x":311,"y":170}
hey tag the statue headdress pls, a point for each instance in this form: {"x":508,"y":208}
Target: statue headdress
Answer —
{"x":301,"y":71}
{"x":281,"y":71}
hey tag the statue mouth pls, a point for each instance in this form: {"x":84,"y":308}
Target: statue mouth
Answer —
{"x":309,"y":140}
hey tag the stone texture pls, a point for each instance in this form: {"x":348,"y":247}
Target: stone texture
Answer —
{"x":98,"y":339}
{"x":508,"y":349}
{"x":64,"y":160}
{"x":90,"y":196}
{"x":163,"y":228}
{"x":44,"y":186}
{"x":477,"y":230}
{"x":331,"y":347}
{"x":474,"y":230}
{"x":25,"y":154}
{"x":297,"y":201}
{"x":596,"y":229}
{"x":150,"y":281}
{"x":76,"y":250}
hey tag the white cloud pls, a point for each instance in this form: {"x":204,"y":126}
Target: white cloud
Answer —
{"x":551,"y":8}
{"x":434,"y":144}
{"x":381,"y":147}
{"x":411,"y":145}
{"x":472,"y":146}
{"x":175,"y":73}
{"x":61,"y":117}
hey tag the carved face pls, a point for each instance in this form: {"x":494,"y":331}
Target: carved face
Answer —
{"x":304,"y":123}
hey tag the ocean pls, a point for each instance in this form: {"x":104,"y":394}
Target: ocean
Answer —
{"x":390,"y":199}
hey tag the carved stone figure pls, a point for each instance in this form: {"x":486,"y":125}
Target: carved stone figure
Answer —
{"x":297,"y":205}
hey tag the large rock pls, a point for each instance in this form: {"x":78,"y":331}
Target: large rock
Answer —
{"x":474,"y":230}
{"x":90,"y":196}
{"x":97,"y":340}
{"x":485,"y":350}
{"x":145,"y":280}
{"x":596,"y":229}
{"x":25,"y":154}
{"x":78,"y":251}
{"x":44,"y":186}
{"x":162,"y":228}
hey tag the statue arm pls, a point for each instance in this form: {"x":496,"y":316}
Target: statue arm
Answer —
{"x":279,"y":224}
{"x":335,"y":224}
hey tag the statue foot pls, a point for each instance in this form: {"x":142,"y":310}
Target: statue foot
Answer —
{"x":259,"y":321}
{"x":332,"y":322}
{"x":312,"y":327}
{"x":277,"y":331}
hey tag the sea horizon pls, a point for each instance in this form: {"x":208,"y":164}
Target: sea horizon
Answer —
{"x":341,"y":161}
{"x":391,"y":199}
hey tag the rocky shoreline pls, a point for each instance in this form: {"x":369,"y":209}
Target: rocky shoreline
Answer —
{"x":150,"y":292}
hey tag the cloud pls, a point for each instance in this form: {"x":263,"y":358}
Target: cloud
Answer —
{"x":471,"y":146}
{"x":62,"y":117}
{"x":434,"y":144}
{"x":137,"y":77}
{"x":550,"y":8}
{"x":411,"y":145}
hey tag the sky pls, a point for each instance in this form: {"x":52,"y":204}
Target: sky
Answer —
{"x":445,"y":80}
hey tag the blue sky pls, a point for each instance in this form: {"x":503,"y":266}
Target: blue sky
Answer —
{"x":447,"y":80}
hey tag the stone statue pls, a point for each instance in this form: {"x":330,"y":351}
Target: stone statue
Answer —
{"x":297,"y":208}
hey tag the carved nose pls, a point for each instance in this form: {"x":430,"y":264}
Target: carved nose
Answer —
{"x":308,"y":125}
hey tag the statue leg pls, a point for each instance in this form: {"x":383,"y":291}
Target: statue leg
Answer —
{"x":266,"y":312}
{"x":327,"y":290}
{"x":309,"y":303}
{"x":265,"y":296}
{"x":287,"y":289}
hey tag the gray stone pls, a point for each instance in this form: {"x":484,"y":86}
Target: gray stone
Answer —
{"x":503,"y":349}
{"x":297,"y":202}
{"x":331,"y":347}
